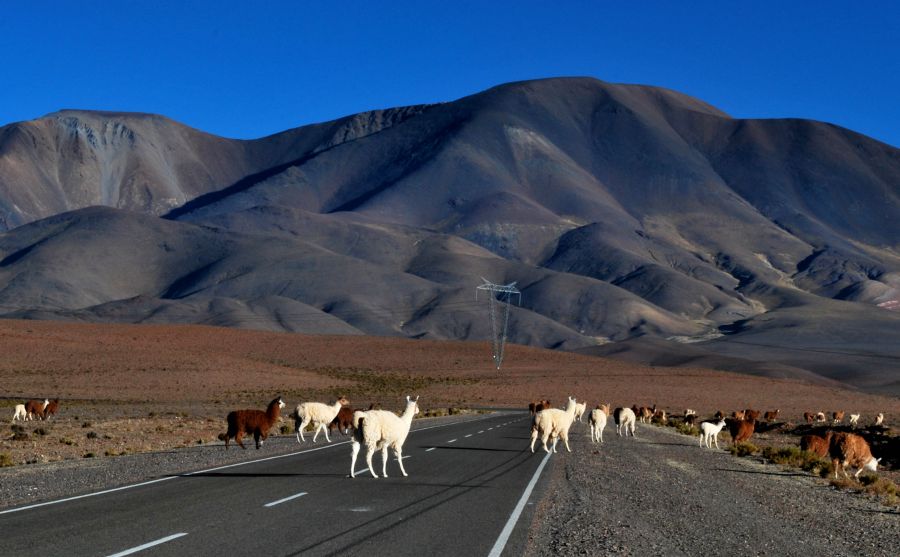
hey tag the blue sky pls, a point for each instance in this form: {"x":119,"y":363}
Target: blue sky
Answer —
{"x":248,"y":69}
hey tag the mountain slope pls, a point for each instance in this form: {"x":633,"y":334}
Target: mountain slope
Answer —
{"x":621,"y":211}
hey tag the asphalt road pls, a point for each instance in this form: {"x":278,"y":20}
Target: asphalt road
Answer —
{"x":466,"y":483}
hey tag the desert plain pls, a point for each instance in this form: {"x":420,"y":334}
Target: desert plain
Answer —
{"x":127,"y":389}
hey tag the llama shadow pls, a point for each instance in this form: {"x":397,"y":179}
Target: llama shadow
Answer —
{"x":457,"y":448}
{"x":252,"y":475}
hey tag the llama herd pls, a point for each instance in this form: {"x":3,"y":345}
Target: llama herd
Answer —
{"x":35,"y":409}
{"x":844,"y":448}
{"x":376,"y":429}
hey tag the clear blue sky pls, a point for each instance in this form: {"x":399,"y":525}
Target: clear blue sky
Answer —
{"x":248,"y":69}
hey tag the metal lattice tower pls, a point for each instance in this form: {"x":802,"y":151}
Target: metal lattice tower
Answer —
{"x":499,"y":297}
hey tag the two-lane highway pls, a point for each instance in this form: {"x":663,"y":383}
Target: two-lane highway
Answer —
{"x":468,"y":482}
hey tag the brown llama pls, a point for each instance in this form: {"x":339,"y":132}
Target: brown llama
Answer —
{"x":740,"y":430}
{"x":256,"y":422}
{"x":771,"y":415}
{"x":35,"y":408}
{"x":809,"y":417}
{"x":816,"y":444}
{"x":850,"y":449}
{"x":52,"y":408}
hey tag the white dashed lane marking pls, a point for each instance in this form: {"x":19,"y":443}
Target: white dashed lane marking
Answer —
{"x":286,"y":499}
{"x":148,"y":545}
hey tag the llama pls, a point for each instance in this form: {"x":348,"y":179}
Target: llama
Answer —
{"x":854,"y":420}
{"x":816,"y":444}
{"x":380,"y":429}
{"x":709,"y":430}
{"x":771,"y":415}
{"x":820,"y":417}
{"x":624,"y":418}
{"x":849,"y":449}
{"x":51,"y":408}
{"x":751,"y":415}
{"x":344,"y":419}
{"x":554,"y":423}
{"x":20,"y":413}
{"x":838,"y":416}
{"x":256,"y":422}
{"x":808,"y":416}
{"x":597,"y":420}
{"x":35,"y":408}
{"x":319,"y":414}
{"x":741,"y":430}
{"x":580,"y":409}
{"x":542,"y":405}
{"x":879,"y":419}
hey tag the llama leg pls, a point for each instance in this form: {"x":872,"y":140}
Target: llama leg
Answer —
{"x":354,"y":447}
{"x":257,"y":438}
{"x":534,"y":436}
{"x":318,"y":428}
{"x":601,"y":434}
{"x":384,"y":460}
{"x":544,"y":439}
{"x":325,"y":429}
{"x":716,"y":441}
{"x":369,"y":452}
{"x":566,"y":441}
{"x":300,"y":427}
{"x":237,"y":438}
{"x":399,"y":452}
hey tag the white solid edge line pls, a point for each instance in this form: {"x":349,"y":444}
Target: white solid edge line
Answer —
{"x":148,"y":545}
{"x":174,"y":476}
{"x":285,"y":500}
{"x":497,"y":550}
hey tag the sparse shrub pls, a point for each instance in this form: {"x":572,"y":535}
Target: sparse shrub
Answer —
{"x":744,"y":448}
{"x":86,"y":425}
{"x":19,"y":433}
{"x":285,"y":429}
{"x":6,"y":460}
{"x":66,"y":441}
{"x":92,"y":435}
{"x":89,"y":455}
{"x":686,"y":429}
{"x":41,"y":431}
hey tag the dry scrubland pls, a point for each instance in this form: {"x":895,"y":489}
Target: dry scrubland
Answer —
{"x":133,"y":388}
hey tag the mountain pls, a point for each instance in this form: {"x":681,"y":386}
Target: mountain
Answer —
{"x":634,"y":220}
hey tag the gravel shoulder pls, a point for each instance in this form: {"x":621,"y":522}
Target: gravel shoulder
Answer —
{"x":662,"y":494}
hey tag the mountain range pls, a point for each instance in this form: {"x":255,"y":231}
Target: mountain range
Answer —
{"x":638,"y":223}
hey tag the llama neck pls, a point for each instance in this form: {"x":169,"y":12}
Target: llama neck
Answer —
{"x":336,"y":406}
{"x":408,"y":413}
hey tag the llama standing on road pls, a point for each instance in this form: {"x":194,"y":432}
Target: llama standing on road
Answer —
{"x":553,"y":423}
{"x":319,"y":414}
{"x":580,"y":408}
{"x":624,"y":418}
{"x":597,"y":419}
{"x":256,"y":422}
{"x":709,"y":430}
{"x":380,"y":429}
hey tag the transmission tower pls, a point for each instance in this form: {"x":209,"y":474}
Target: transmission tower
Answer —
{"x":499,"y":296}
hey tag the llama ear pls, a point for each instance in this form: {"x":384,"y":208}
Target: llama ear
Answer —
{"x":417,"y":398}
{"x":407,"y":398}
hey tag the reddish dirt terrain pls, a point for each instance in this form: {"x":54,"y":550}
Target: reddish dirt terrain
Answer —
{"x":132,"y":388}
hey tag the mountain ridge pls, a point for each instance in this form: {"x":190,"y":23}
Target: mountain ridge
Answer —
{"x":622,"y":212}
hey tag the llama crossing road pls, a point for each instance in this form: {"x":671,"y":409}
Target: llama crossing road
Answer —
{"x":467,"y":492}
